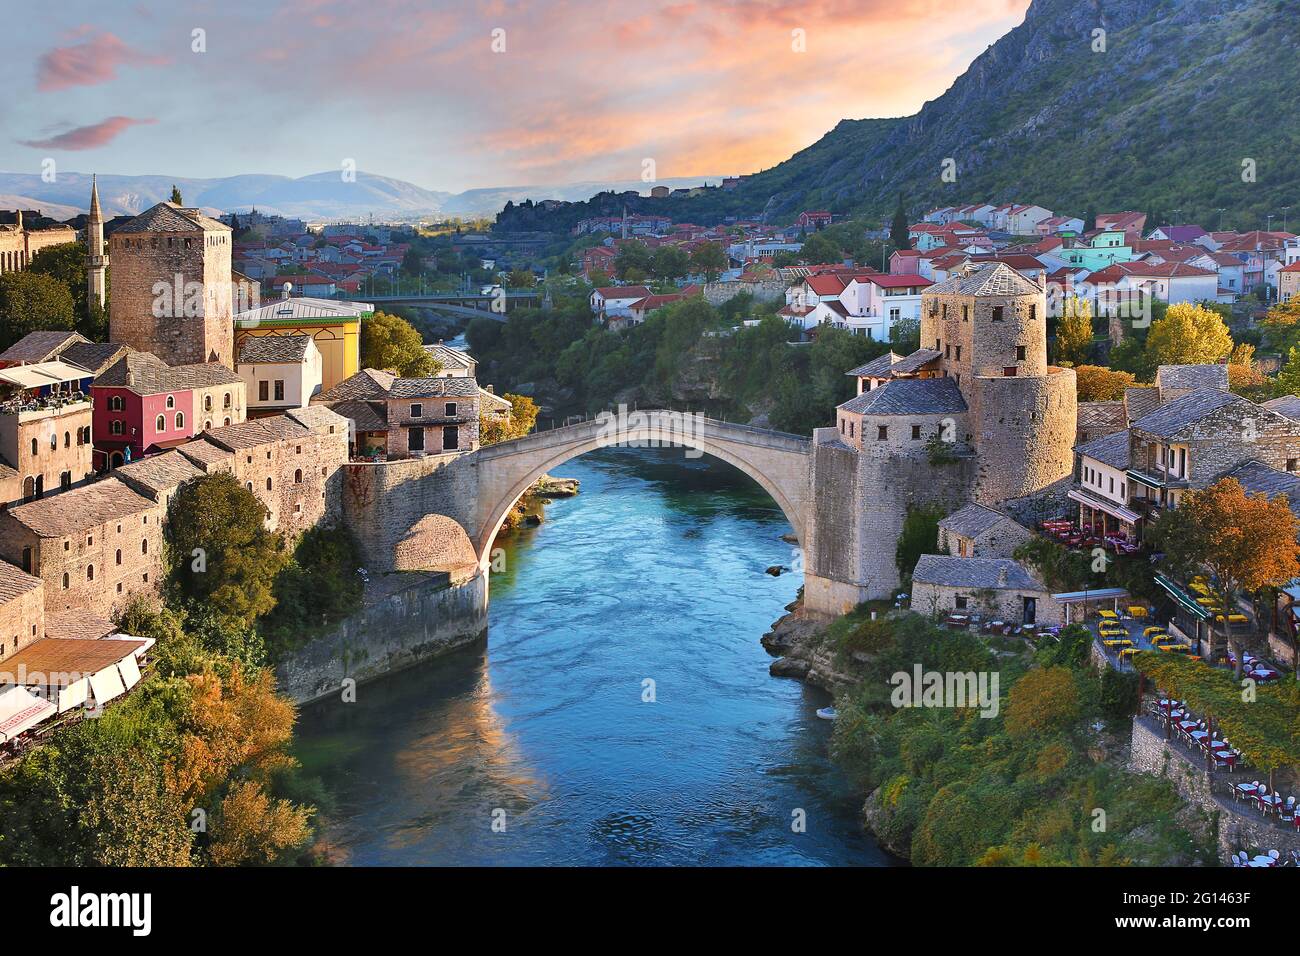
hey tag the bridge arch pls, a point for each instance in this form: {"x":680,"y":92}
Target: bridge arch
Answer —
{"x":779,"y":463}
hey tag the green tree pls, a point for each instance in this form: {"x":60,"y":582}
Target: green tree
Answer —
{"x":31,"y":301}
{"x":176,"y":195}
{"x":1288,"y":376}
{"x":1074,"y":333}
{"x":632,"y":262}
{"x":521,"y":279}
{"x":219,"y":549}
{"x":898,"y":229}
{"x":819,"y":249}
{"x":711,"y":259}
{"x":669,"y":262}
{"x":66,"y":262}
{"x":920,"y":535}
{"x":390,"y":342}
{"x":412,"y":261}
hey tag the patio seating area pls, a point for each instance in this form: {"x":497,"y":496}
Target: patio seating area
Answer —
{"x":1085,"y":536}
{"x":1267,"y":858}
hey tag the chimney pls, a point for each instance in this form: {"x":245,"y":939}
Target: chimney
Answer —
{"x":1042,"y":280}
{"x":20,"y":220}
{"x":1002,"y":575}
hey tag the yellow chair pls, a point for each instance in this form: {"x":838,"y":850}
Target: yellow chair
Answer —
{"x":1159,"y":639}
{"x":1137,"y":612}
{"x":1127,"y":652}
{"x":1153,"y":629}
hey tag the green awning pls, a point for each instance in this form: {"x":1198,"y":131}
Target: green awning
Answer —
{"x":1182,"y":598}
{"x":1142,"y":479}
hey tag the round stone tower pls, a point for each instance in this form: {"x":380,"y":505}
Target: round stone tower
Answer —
{"x":988,"y":323}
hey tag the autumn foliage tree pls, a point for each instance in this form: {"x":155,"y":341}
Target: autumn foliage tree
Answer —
{"x":1096,"y":383}
{"x":1045,"y":700}
{"x":522,"y":418}
{"x":1074,"y":332}
{"x":390,"y":343}
{"x":1188,"y":334}
{"x":1246,"y":542}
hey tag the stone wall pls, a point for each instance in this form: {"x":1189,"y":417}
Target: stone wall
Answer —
{"x":1024,"y":434}
{"x":1151,"y":753}
{"x":1005,"y":604}
{"x":22,"y":616}
{"x":769,"y":290}
{"x":412,"y":622}
{"x":61,"y":447}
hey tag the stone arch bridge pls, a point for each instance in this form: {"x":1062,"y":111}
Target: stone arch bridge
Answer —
{"x":444,"y":511}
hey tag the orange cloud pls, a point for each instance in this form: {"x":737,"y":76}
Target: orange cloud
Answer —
{"x":89,"y":137}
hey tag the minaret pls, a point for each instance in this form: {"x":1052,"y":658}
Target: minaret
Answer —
{"x":97,"y":261}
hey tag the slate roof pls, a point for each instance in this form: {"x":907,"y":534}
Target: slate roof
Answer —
{"x":975,"y":573}
{"x":487,"y":398}
{"x":1192,"y":376}
{"x":994,"y":278}
{"x":156,"y":474}
{"x":909,"y":396}
{"x":1287,"y":406}
{"x":94,"y":356}
{"x":1102,"y":417}
{"x":877,"y":367}
{"x":77,"y":624}
{"x":366,"y":384}
{"x":433,"y":388}
{"x":365,"y":417}
{"x":1170,"y":418}
{"x":450,"y":357}
{"x":1112,"y":449}
{"x":1259,"y":479}
{"x":255,"y":432}
{"x":273,"y":349}
{"x":204,"y":454}
{"x":79,"y":508}
{"x":319,"y":418}
{"x":146,"y":374}
{"x":914,"y":362}
{"x":167,"y":217}
{"x":14,"y":582}
{"x":1141,"y":400}
{"x":39,"y":346}
{"x":972,"y":520}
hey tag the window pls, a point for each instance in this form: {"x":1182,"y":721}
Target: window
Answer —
{"x":959,"y":602}
{"x":417,"y":409}
{"x":226,"y":402}
{"x":171,"y":401}
{"x":207,"y":403}
{"x":54,"y":442}
{"x":965,"y":313}
{"x":1020,"y":353}
{"x":851,"y":426}
{"x":115,"y":403}
{"x":1010,"y":371}
{"x":226,"y":422}
{"x":34,"y":449}
{"x":1292,"y":464}
{"x":451,"y":409}
{"x":65,"y":580}
{"x":415,"y":439}
{"x":67,"y":439}
{"x":90,"y":572}
{"x":916,"y":432}
{"x":180,"y":419}
{"x":279,"y":389}
{"x":263,"y":390}
{"x":268,"y":484}
{"x":27,"y":560}
{"x":882,"y":432}
{"x":297,"y":476}
{"x":959,"y":353}
{"x":841,"y":426}
{"x":115,"y":428}
{"x":118,"y":556}
{"x":997,"y":313}
{"x":1033,"y":312}
{"x":160,"y":423}
{"x":451,"y":438}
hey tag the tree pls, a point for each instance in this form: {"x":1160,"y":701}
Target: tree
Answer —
{"x":391,"y":343}
{"x":1096,"y":383}
{"x":221,"y":552}
{"x":1280,"y":328}
{"x":1246,"y":542}
{"x":670,"y":262}
{"x":920,"y":535}
{"x":176,"y":196}
{"x":711,"y":259}
{"x":135,"y":819}
{"x":252,"y":827}
{"x":31,"y":301}
{"x":1074,"y":333}
{"x":1090,"y":219}
{"x":522,"y":418}
{"x":521,"y":279}
{"x":1188,"y":334}
{"x":1045,"y":700}
{"x":898,"y":229}
{"x":1244,"y":377}
{"x":632,"y":261}
{"x":412,"y":261}
{"x":820,"y":248}
{"x":1288,"y":376}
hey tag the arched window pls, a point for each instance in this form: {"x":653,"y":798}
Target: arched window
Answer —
{"x":27,"y":560}
{"x":54,"y":442}
{"x":161,"y":423}
{"x":115,"y":403}
{"x":171,"y":401}
{"x":207,"y":403}
{"x":180,"y":419}
{"x":66,"y":582}
{"x":119,"y":555}
{"x":226,"y":402}
{"x":268,"y":484}
{"x":248,"y":485}
{"x":297,"y":476}
{"x":34,"y":448}
{"x":226,"y":422}
{"x":67,"y":439}
{"x":90,"y":572}
{"x":115,"y":428}
{"x":144,"y":545}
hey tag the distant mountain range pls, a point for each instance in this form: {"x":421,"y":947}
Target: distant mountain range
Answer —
{"x":319,"y":197}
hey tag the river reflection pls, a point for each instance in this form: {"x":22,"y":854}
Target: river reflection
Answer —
{"x":621,"y":712}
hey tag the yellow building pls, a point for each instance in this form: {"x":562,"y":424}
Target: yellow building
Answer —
{"x":334,"y":326}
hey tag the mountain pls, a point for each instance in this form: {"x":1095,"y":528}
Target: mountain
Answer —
{"x":321,"y":196}
{"x":1184,"y":92}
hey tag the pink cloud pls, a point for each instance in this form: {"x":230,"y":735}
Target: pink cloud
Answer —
{"x":89,"y":137}
{"x":90,"y":63}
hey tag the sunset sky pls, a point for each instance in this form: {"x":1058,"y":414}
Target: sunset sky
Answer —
{"x":413,"y":89}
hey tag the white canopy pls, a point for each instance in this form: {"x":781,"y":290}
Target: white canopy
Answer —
{"x":20,"y":711}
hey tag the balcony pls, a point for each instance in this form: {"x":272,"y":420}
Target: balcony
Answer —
{"x":46,"y":406}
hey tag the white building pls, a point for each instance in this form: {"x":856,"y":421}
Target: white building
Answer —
{"x":615,"y":300}
{"x":280,"y":372}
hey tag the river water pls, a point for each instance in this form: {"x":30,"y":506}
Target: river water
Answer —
{"x":621,"y":711}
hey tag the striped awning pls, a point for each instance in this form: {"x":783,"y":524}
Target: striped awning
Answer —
{"x":1101,"y":504}
{"x":1182,"y":598}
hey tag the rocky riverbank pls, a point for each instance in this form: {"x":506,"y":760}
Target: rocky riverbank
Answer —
{"x":530,"y":509}
{"x":805,"y":652}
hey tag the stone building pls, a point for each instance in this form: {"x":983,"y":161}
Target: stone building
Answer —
{"x":279,"y":372}
{"x":292,"y":462}
{"x":19,"y":244}
{"x":992,"y":587}
{"x":172,"y":286}
{"x":978,"y":532}
{"x":45,"y":429}
{"x":333,"y":326}
{"x":22,"y":609}
{"x":92,"y":547}
{"x":976,"y":414}
{"x":408,"y":417}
